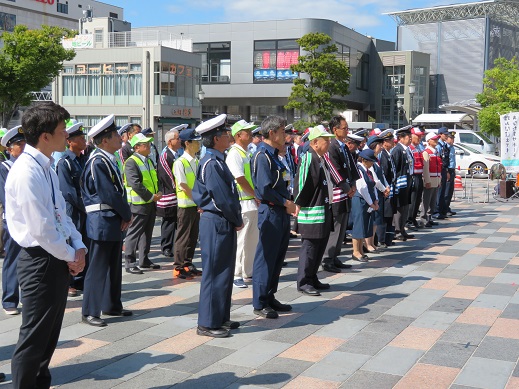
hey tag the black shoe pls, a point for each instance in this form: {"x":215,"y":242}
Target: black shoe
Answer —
{"x":382,"y":246}
{"x":321,"y":286}
{"x":434,"y":223}
{"x":441,"y":217}
{"x":428,"y":225}
{"x":134,"y":270}
{"x":362,"y":259}
{"x":285,"y":263}
{"x":310,"y":291}
{"x":167,"y":253}
{"x":150,"y":265}
{"x":411,"y":226}
{"x":280,"y":307}
{"x":293,"y":236}
{"x":230,"y":325}
{"x":408,"y":236}
{"x":450,"y":213}
{"x":331,"y":268}
{"x":193,"y":270}
{"x":2,"y":377}
{"x":341,"y":265}
{"x":267,"y":313}
{"x":212,"y":332}
{"x":94,"y":321}
{"x":122,"y":312}
{"x":400,"y":237}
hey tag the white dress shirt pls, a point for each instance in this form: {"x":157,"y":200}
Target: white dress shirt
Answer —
{"x":235,"y":164}
{"x":31,"y":214}
{"x":179,"y":170}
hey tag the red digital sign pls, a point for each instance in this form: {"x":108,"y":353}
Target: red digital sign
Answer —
{"x":50,"y":2}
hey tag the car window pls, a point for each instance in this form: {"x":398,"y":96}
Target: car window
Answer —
{"x":465,"y":147}
{"x":469,"y":138}
{"x":460,"y":150}
{"x":485,"y":138}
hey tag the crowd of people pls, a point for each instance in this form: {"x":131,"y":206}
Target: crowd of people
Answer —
{"x":240,"y":191}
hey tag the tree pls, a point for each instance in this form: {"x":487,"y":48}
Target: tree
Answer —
{"x":325,"y":79}
{"x":500,"y":94}
{"x":29,"y":60}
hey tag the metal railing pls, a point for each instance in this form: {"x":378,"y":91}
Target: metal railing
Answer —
{"x":148,"y":39}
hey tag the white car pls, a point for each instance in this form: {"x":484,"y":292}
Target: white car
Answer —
{"x":470,"y":161}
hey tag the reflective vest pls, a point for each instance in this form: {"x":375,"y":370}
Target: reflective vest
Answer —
{"x":246,"y":170}
{"x":435,"y":164}
{"x":418,"y":159}
{"x":182,"y":198}
{"x":149,"y":180}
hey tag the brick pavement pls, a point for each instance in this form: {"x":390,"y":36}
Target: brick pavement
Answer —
{"x":436,"y":312}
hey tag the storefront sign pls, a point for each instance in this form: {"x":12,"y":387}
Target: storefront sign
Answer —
{"x":83,"y":41}
{"x":50,"y":2}
{"x":182,"y":112}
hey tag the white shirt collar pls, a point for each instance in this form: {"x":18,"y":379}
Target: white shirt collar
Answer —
{"x":41,"y":158}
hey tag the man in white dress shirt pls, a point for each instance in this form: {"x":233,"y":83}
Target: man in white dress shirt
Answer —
{"x":52,"y":248}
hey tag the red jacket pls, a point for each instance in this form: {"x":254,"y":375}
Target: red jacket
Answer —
{"x":418,"y":159}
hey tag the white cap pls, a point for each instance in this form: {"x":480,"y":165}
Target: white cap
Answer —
{"x":387,"y":134}
{"x":211,"y":124}
{"x":73,"y":126}
{"x":180,"y":127}
{"x":124,"y":128}
{"x":432,"y":135}
{"x":104,"y":126}
{"x":355,"y":137}
{"x":11,"y":134}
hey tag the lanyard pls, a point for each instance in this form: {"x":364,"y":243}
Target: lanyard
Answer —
{"x":48,"y":179}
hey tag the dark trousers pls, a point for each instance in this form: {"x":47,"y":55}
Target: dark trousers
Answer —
{"x":44,"y":282}
{"x":442,"y":194}
{"x":389,"y":235}
{"x":102,"y":290}
{"x":450,"y":189}
{"x":138,"y":238}
{"x":310,"y":256}
{"x":10,"y":285}
{"x":218,"y":243}
{"x":400,"y":218}
{"x":274,"y":230}
{"x":334,"y":244}
{"x":416,"y":196}
{"x":188,"y":221}
{"x":167,"y":233}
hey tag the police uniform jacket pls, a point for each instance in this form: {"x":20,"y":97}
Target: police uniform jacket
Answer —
{"x":167,"y":205}
{"x":444,"y":153}
{"x":267,"y":176}
{"x":341,"y":161}
{"x":102,"y":188}
{"x":311,"y":194}
{"x":214,"y":190}
{"x":134,"y":180}
{"x":402,"y":191}
{"x":69,"y":169}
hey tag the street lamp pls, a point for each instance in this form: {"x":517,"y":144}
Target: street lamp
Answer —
{"x":411,"y":94}
{"x":399,"y":107}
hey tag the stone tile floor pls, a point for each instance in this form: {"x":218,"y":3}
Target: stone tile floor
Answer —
{"x":439,"y":311}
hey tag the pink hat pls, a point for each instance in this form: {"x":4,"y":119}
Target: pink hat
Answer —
{"x":417,"y":131}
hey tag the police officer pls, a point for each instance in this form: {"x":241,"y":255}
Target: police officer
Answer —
{"x":69,"y":169}
{"x":273,"y":218}
{"x":216,"y":195}
{"x":108,"y":215}
{"x":14,"y":140}
{"x":444,"y":153}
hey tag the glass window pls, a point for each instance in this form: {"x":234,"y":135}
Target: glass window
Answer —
{"x":362,"y":71}
{"x":62,"y":8}
{"x":98,"y":35}
{"x":469,"y":138}
{"x":272,"y":60}
{"x":216,"y":61}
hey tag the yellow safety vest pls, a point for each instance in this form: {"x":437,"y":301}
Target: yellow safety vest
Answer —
{"x":149,"y":180}
{"x":247,"y":173}
{"x":183,"y":200}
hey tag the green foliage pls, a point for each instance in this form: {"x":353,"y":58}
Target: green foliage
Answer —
{"x":29,"y":60}
{"x":500,"y":94}
{"x":324,"y":79}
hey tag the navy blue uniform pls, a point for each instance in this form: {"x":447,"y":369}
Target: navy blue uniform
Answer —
{"x":273,"y":224}
{"x":10,"y":286}
{"x":215,"y":193}
{"x":104,"y":197}
{"x":69,"y":169}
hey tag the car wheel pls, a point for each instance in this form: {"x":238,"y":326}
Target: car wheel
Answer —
{"x":478,"y":168}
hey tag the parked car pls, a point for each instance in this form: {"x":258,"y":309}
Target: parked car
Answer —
{"x":477,"y":140}
{"x":470,"y":161}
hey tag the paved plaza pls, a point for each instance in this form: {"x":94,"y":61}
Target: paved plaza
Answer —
{"x":439,"y":311}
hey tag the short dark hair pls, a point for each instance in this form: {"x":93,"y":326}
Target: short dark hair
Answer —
{"x":42,"y":118}
{"x":134,"y":129}
{"x":271,"y":123}
{"x":99,"y":139}
{"x":208,"y":140}
{"x":335,"y":122}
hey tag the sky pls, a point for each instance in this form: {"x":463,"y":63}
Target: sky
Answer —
{"x":364,"y":16}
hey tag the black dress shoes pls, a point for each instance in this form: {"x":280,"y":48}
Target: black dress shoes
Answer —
{"x":408,"y":236}
{"x":280,"y":307}
{"x":123,"y":312}
{"x":212,"y":332}
{"x":167,"y":253}
{"x":267,"y":313}
{"x":310,"y":291}
{"x":321,"y":286}
{"x":134,"y":270}
{"x":331,"y":268}
{"x":341,"y":265}
{"x":150,"y":265}
{"x":230,"y":325}
{"x":94,"y":321}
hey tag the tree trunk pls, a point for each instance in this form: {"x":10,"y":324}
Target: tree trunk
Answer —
{"x":7,"y":113}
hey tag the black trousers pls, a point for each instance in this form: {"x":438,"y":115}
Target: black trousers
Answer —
{"x":188,"y":222}
{"x":138,"y":238}
{"x":334,"y":245}
{"x":44,"y":282}
{"x":310,"y":257}
{"x":167,"y":233}
{"x":102,"y":290}
{"x":416,"y":196}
